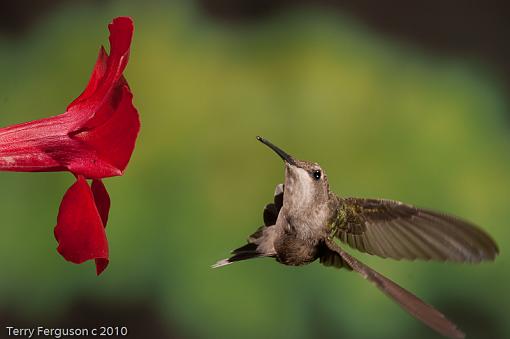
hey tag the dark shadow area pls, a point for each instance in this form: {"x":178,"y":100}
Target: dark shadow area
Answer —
{"x":470,"y":29}
{"x":325,"y":325}
{"x":140,"y":318}
{"x":472,"y":318}
{"x":469,"y":317}
{"x":17,"y":17}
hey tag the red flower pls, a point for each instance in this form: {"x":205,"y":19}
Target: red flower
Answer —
{"x":93,"y":139}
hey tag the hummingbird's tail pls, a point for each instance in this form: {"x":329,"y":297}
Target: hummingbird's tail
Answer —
{"x":248,"y":251}
{"x":260,"y":243}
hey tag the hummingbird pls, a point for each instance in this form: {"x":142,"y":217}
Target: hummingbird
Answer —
{"x":305,"y":218}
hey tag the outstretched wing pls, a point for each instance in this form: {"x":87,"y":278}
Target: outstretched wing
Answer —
{"x":260,"y":243}
{"x":408,"y":301}
{"x":391,"y":229}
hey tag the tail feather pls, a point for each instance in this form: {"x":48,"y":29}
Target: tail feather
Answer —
{"x":260,"y":243}
{"x":261,"y":247}
{"x":248,"y":248}
{"x":238,"y":256}
{"x":220,"y":263}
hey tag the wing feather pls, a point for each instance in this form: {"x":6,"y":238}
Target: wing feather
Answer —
{"x":391,"y":229}
{"x":408,"y":301}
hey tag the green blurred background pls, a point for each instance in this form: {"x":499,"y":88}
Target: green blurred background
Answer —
{"x":385,"y":116}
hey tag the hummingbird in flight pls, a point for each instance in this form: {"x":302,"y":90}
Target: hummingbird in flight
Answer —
{"x":305,"y":218}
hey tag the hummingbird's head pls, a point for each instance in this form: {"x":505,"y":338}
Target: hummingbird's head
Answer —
{"x":306,"y":183}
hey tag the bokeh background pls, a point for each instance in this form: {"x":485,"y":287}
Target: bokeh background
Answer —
{"x":404,"y":101}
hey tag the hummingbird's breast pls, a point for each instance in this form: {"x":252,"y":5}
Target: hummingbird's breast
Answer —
{"x":310,"y":224}
{"x":294,"y":251}
{"x":298,"y":238}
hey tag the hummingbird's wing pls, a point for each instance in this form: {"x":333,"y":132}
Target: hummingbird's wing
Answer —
{"x":408,"y":301}
{"x":391,"y":229}
{"x":330,"y":258}
{"x":260,"y":243}
{"x":272,"y":210}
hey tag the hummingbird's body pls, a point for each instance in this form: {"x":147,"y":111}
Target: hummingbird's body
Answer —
{"x":302,"y":224}
{"x":305,"y":217}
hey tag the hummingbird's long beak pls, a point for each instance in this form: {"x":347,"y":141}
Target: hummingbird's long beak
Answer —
{"x":286,"y":157}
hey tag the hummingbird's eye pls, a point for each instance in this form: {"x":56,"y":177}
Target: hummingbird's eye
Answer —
{"x":317,"y":174}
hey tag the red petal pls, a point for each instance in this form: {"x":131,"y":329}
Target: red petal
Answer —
{"x":44,"y":145}
{"x":102,"y":200}
{"x":108,"y":136}
{"x":96,"y":136}
{"x":112,"y":142}
{"x":121,"y":30}
{"x":34,"y":146}
{"x":101,"y":265}
{"x":105,"y":77}
{"x":97,"y":74}
{"x":80,"y":232}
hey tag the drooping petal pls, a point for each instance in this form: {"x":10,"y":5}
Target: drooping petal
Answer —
{"x":102,"y":199}
{"x":80,"y":231}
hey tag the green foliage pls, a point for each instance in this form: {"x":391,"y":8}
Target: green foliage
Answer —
{"x":385,"y":119}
